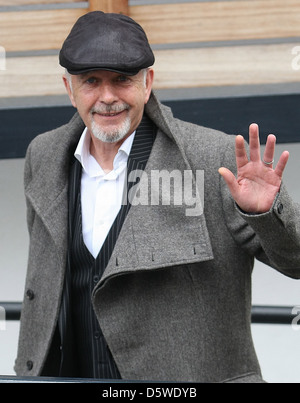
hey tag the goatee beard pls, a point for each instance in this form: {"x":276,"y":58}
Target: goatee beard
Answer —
{"x":115,"y":134}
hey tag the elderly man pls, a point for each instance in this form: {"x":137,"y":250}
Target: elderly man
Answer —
{"x":120,"y":287}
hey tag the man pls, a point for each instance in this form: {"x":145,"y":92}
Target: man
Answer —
{"x":125,"y":281}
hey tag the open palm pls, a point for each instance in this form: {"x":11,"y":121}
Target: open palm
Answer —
{"x":257,"y":183}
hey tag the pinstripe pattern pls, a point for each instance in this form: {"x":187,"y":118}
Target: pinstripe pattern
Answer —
{"x":85,"y":353}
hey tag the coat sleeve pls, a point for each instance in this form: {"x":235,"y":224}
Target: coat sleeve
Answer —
{"x":272,"y":237}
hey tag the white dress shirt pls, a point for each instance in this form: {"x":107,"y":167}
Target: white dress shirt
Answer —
{"x":101,"y":193}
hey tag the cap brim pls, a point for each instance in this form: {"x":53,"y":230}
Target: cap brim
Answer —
{"x":113,"y":70}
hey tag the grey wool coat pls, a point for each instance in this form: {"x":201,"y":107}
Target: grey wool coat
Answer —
{"x":174,"y":302}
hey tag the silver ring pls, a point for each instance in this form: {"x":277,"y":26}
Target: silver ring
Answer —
{"x":268,"y":163}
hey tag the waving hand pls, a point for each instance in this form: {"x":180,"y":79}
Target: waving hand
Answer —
{"x":257,"y":182}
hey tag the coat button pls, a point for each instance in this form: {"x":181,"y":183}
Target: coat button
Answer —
{"x":29,"y":365}
{"x":280,"y":208}
{"x":30,"y":295}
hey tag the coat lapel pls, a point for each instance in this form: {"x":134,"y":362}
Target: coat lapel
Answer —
{"x":155,"y":235}
{"x":48,"y":190}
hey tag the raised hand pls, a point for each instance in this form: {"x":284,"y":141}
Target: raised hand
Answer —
{"x":257,"y":182}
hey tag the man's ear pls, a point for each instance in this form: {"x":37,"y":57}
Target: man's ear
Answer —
{"x":149,"y":84}
{"x":69,"y":90}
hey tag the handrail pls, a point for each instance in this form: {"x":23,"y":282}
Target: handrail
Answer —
{"x":273,"y":315}
{"x":12,"y":310}
{"x":34,"y":379}
{"x":279,"y":315}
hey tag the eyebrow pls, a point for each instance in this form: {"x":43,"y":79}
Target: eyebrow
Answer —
{"x":84,"y":75}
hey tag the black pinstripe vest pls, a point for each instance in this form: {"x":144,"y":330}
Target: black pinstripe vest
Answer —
{"x":85,"y":353}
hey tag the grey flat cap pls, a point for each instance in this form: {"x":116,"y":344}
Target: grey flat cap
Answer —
{"x":103,"y":41}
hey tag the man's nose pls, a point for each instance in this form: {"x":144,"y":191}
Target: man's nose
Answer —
{"x":107,"y":94}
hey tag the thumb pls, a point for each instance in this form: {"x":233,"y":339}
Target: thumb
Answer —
{"x":230,"y":180}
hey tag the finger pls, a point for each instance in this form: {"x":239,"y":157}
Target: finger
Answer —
{"x":269,"y":150}
{"x":282,"y":163}
{"x":240,"y":152}
{"x":231,"y":181}
{"x":254,"y":143}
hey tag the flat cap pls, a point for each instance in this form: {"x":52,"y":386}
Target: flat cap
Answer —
{"x":106,"y":41}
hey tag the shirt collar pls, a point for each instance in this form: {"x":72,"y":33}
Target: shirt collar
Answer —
{"x":88,"y":162}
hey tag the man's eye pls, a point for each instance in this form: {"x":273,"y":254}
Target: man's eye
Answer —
{"x":123,"y":79}
{"x":91,"y":80}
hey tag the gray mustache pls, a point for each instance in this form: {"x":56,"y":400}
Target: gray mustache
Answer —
{"x":110,"y":108}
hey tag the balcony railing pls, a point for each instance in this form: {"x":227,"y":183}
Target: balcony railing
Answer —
{"x":278,"y":315}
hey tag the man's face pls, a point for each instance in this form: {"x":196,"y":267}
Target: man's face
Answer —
{"x":110,"y":104}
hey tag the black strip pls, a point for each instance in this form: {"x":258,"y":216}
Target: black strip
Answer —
{"x":275,"y":114}
{"x":19,"y":126}
{"x":278,"y":115}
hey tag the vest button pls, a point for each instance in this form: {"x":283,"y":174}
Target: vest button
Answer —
{"x":96,"y":279}
{"x":29,"y":365}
